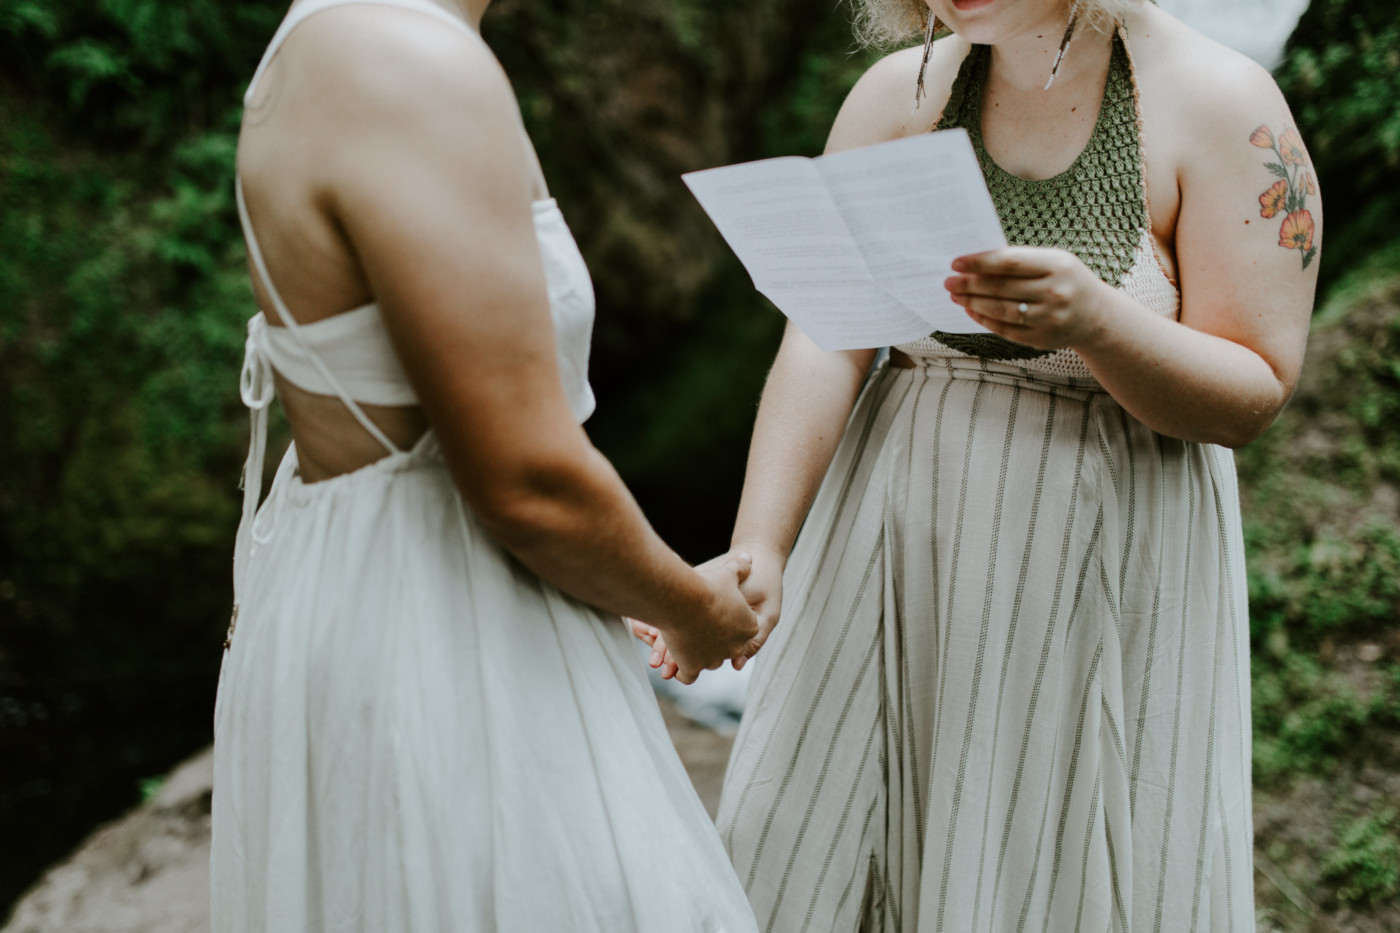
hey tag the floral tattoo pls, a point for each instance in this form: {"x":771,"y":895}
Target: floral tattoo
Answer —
{"x":1289,"y":195}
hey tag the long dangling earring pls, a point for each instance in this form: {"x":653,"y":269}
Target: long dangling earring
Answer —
{"x":1064,"y":43}
{"x":933,"y":26}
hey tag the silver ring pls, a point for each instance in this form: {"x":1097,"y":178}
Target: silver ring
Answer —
{"x":1023,"y":308}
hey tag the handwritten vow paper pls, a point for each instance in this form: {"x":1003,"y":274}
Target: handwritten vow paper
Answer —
{"x":854,"y":246}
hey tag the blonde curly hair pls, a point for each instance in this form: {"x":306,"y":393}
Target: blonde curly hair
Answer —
{"x":885,"y":23}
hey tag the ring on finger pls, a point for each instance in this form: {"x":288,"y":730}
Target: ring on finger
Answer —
{"x":1022,"y":308}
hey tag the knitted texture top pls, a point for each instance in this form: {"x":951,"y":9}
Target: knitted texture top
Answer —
{"x":1097,"y":209}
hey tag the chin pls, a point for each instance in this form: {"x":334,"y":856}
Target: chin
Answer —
{"x":988,"y":22}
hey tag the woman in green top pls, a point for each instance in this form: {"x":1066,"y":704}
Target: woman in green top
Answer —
{"x":1010,"y":687}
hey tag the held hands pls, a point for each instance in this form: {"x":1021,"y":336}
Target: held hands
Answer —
{"x":762,"y":587}
{"x":727,"y":630}
{"x":1040,"y":297}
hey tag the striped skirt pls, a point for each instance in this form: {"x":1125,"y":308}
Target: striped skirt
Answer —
{"x":1010,"y":687}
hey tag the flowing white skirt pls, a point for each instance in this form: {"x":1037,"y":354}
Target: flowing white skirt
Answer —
{"x":415,"y":733}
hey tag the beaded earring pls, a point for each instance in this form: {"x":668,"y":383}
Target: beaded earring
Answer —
{"x":1064,"y":43}
{"x":930,"y":31}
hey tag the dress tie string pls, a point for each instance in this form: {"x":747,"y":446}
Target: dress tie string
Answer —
{"x":256,"y":387}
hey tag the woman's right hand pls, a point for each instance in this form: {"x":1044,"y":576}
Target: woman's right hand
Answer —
{"x":762,"y":587}
{"x":726,"y":629}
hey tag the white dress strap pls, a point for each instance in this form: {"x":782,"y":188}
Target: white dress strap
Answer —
{"x":309,"y":8}
{"x":255,"y":253}
{"x":256,"y":385}
{"x":256,"y":388}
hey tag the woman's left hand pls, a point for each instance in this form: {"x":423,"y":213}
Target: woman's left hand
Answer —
{"x":1043,"y":298}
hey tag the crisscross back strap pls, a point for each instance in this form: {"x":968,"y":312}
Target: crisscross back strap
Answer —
{"x":295,"y":18}
{"x":255,"y":253}
{"x":256,"y":380}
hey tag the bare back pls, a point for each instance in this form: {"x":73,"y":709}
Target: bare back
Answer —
{"x":291,"y":145}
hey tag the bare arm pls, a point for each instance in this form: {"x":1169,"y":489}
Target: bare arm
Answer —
{"x":430,"y":183}
{"x":805,"y":405}
{"x":810,"y":392}
{"x":1248,"y":273}
{"x":1234,"y":359}
{"x":809,"y":396}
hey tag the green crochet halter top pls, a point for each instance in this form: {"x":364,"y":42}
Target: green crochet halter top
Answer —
{"x":1096,"y":209}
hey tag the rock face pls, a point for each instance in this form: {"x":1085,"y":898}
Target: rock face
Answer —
{"x":148,"y":872}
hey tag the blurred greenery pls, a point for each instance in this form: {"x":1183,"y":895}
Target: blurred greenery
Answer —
{"x":1366,"y":862}
{"x":1342,"y":78}
{"x":121,"y":327}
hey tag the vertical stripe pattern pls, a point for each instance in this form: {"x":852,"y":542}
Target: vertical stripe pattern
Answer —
{"x":1010,"y":687}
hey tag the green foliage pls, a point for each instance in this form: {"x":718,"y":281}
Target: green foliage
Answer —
{"x":1365,"y":865}
{"x":1323,"y":535}
{"x":1341,"y":76}
{"x":1307,"y":715}
{"x":1322,"y":530}
{"x":820,"y":83}
{"x":150,"y":787}
{"x":135,"y":72}
{"x":1328,"y":584}
{"x":120,"y":335}
{"x":1328,"y":546}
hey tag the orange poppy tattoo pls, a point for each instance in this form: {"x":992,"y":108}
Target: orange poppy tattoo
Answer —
{"x":1272,"y":201}
{"x":1289,"y":195}
{"x":1290,"y":147}
{"x":1297,"y":232}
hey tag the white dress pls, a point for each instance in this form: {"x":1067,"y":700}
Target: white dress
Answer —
{"x":413,"y":732}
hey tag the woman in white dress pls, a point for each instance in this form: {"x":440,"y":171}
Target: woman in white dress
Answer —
{"x":1010,"y":688}
{"x":423,"y":723}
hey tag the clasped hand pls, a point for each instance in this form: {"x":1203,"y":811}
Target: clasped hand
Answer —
{"x":1036,"y":296}
{"x":760,"y":585}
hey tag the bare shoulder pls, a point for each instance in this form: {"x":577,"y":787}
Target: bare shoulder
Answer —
{"x":384,"y":112}
{"x":882,"y":104}
{"x":1247,"y":213}
{"x":1201,"y":90}
{"x":371,"y":63}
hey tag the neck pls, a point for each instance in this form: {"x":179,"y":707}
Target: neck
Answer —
{"x":1025,"y":62}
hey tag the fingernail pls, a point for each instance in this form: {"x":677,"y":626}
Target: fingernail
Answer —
{"x":656,"y":659}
